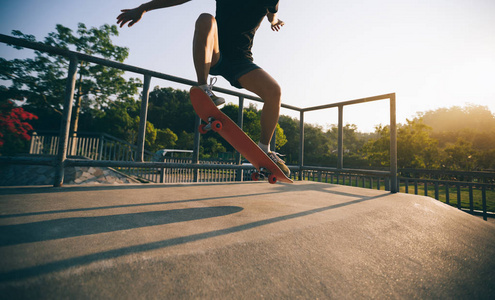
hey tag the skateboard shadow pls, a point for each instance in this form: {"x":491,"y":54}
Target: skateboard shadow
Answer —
{"x":81,"y":226}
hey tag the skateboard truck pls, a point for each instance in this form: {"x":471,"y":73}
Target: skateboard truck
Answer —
{"x":262,"y":174}
{"x":213,"y":124}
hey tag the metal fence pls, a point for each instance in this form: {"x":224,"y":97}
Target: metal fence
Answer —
{"x":185,"y":174}
{"x":95,"y":146}
{"x":468,"y":193}
{"x":63,"y":143}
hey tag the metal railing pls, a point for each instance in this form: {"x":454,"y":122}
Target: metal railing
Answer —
{"x":448,"y":175}
{"x":469,"y":196}
{"x":95,"y":146}
{"x":63,"y":143}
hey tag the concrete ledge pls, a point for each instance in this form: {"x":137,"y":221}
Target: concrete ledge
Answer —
{"x":239,"y":240}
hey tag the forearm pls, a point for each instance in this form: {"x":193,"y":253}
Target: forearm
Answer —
{"x":275,"y":22}
{"x":156,"y":4}
{"x":272,"y":17}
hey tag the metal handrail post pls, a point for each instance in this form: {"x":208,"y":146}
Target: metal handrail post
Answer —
{"x":273,"y":141}
{"x":301,"y":144}
{"x":65,"y":123}
{"x":142,"y":119}
{"x":100,"y":150}
{"x":32,"y":144}
{"x":340,"y":150}
{"x":394,"y":188}
{"x":197,"y":140}
{"x":240,"y":123}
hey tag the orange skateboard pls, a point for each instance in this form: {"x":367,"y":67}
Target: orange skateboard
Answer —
{"x":221,"y":123}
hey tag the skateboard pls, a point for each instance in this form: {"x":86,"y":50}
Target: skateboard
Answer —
{"x":233,"y":134}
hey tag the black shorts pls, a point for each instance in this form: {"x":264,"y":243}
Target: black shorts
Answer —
{"x":232,"y":70}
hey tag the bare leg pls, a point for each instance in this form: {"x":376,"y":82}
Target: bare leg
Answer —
{"x":262,"y":84}
{"x":206,"y":51}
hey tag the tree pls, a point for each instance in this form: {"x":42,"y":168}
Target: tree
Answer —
{"x":291,"y":129}
{"x":415,"y":147}
{"x":317,"y":148}
{"x":456,"y":118}
{"x":460,"y":156}
{"x":119,"y":119}
{"x":185,"y":140}
{"x":464,"y":133}
{"x":170,"y":108}
{"x":40,"y":81}
{"x":163,"y":139}
{"x":214,"y":147}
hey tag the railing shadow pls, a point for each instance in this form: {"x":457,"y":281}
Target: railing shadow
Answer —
{"x":80,"y":226}
{"x":116,"y":253}
{"x":61,"y":211}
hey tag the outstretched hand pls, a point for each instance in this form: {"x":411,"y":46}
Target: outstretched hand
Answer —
{"x":276,"y":26}
{"x":275,"y":22}
{"x":130,"y":15}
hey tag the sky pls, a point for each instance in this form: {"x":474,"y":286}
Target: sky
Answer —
{"x":431,"y":53}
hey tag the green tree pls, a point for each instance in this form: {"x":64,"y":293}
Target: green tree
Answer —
{"x":185,"y":140}
{"x":165,"y":139}
{"x":40,"y":81}
{"x":415,"y":147}
{"x":456,"y":118}
{"x":119,"y":119}
{"x":213,"y":146}
{"x":467,"y":133}
{"x":171,"y":108}
{"x":460,"y":156}
{"x":317,"y":148}
{"x":291,"y":130}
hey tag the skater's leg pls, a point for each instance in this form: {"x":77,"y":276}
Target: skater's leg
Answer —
{"x":262,"y":84}
{"x":206,"y":51}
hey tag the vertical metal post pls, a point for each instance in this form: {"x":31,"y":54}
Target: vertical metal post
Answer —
{"x":100,"y":147}
{"x":142,"y":119}
{"x":393,"y":146}
{"x":197,"y":139}
{"x":34,"y":141}
{"x":340,"y":150}
{"x":65,"y":122}
{"x":273,"y":141}
{"x":483,"y":201}
{"x":240,"y":123}
{"x":301,"y":144}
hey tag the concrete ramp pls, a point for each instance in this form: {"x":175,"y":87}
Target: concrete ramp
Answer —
{"x":239,"y":241}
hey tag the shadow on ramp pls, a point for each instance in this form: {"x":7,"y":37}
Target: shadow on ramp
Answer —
{"x":306,"y":240}
{"x":183,"y":216}
{"x":79,"y":226}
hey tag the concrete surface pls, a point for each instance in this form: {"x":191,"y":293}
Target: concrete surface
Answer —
{"x":239,"y":241}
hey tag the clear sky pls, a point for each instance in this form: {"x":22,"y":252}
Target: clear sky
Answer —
{"x":431,"y":53}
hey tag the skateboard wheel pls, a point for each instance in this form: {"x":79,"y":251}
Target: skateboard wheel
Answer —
{"x":202,"y":129}
{"x":272,"y":179}
{"x":255,"y":176}
{"x":216,"y":126}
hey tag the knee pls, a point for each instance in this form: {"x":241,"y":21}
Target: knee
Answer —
{"x":205,"y":22}
{"x":274,"y":93}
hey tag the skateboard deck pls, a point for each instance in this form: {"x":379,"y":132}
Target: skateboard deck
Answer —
{"x":234,"y":135}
